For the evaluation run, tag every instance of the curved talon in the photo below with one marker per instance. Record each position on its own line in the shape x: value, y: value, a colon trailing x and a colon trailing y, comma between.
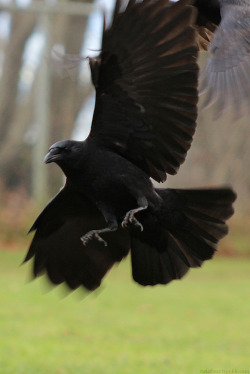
x: 130, y: 218
x: 92, y: 235
x: 137, y: 223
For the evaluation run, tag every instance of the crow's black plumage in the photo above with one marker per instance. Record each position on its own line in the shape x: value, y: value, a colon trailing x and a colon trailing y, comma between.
x: 208, y: 12
x: 145, y: 115
x: 224, y: 27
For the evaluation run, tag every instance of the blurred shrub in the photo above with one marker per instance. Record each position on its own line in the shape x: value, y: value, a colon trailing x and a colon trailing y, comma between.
x: 17, y: 212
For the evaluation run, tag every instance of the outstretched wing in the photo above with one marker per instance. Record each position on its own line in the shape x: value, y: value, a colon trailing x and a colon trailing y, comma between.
x: 58, y: 250
x: 226, y: 77
x: 146, y: 85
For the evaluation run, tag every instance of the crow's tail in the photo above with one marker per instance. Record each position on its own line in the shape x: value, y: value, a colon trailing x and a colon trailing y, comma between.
x: 182, y: 234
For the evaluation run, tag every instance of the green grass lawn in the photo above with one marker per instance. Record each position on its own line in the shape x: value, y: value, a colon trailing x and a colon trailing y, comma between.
x: 189, y: 326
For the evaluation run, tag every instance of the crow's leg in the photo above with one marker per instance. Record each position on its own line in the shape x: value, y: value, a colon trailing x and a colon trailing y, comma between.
x: 112, y: 226
x: 130, y: 215
x: 94, y: 234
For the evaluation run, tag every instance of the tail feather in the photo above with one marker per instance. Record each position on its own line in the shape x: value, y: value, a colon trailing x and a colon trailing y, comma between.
x: 181, y: 252
x: 182, y: 234
x: 213, y: 203
x: 211, y: 232
x: 151, y: 268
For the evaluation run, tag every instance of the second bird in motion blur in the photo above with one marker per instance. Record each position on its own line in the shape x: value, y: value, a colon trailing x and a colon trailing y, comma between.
x: 224, y: 27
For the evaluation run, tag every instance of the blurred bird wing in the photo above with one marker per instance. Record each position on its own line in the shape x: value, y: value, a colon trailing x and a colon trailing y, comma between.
x: 205, y: 35
x: 58, y: 250
x: 146, y: 85
x: 226, y: 77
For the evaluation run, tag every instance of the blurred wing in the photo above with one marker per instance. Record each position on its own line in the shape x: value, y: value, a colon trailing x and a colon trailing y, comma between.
x: 66, y: 65
x: 58, y: 250
x: 205, y: 35
x: 146, y: 85
x: 226, y: 77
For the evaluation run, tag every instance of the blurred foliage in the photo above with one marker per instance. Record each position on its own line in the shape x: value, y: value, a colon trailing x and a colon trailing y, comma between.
x: 18, y: 211
x: 237, y: 242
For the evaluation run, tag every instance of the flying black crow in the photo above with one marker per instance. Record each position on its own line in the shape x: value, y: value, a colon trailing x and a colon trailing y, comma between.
x: 226, y: 77
x: 145, y: 116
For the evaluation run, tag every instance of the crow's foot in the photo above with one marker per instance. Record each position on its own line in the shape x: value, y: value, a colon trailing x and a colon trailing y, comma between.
x: 94, y: 234
x: 130, y: 218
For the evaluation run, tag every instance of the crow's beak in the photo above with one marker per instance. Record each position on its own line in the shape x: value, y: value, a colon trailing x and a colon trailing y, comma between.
x: 53, y: 155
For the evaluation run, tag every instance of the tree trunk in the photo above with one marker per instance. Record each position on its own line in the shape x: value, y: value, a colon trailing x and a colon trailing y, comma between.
x: 16, y: 116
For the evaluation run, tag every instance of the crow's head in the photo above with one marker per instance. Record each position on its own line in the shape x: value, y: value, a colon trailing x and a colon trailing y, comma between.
x: 65, y: 153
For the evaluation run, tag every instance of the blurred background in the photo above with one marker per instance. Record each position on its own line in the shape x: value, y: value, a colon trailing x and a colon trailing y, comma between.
x: 45, y: 97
